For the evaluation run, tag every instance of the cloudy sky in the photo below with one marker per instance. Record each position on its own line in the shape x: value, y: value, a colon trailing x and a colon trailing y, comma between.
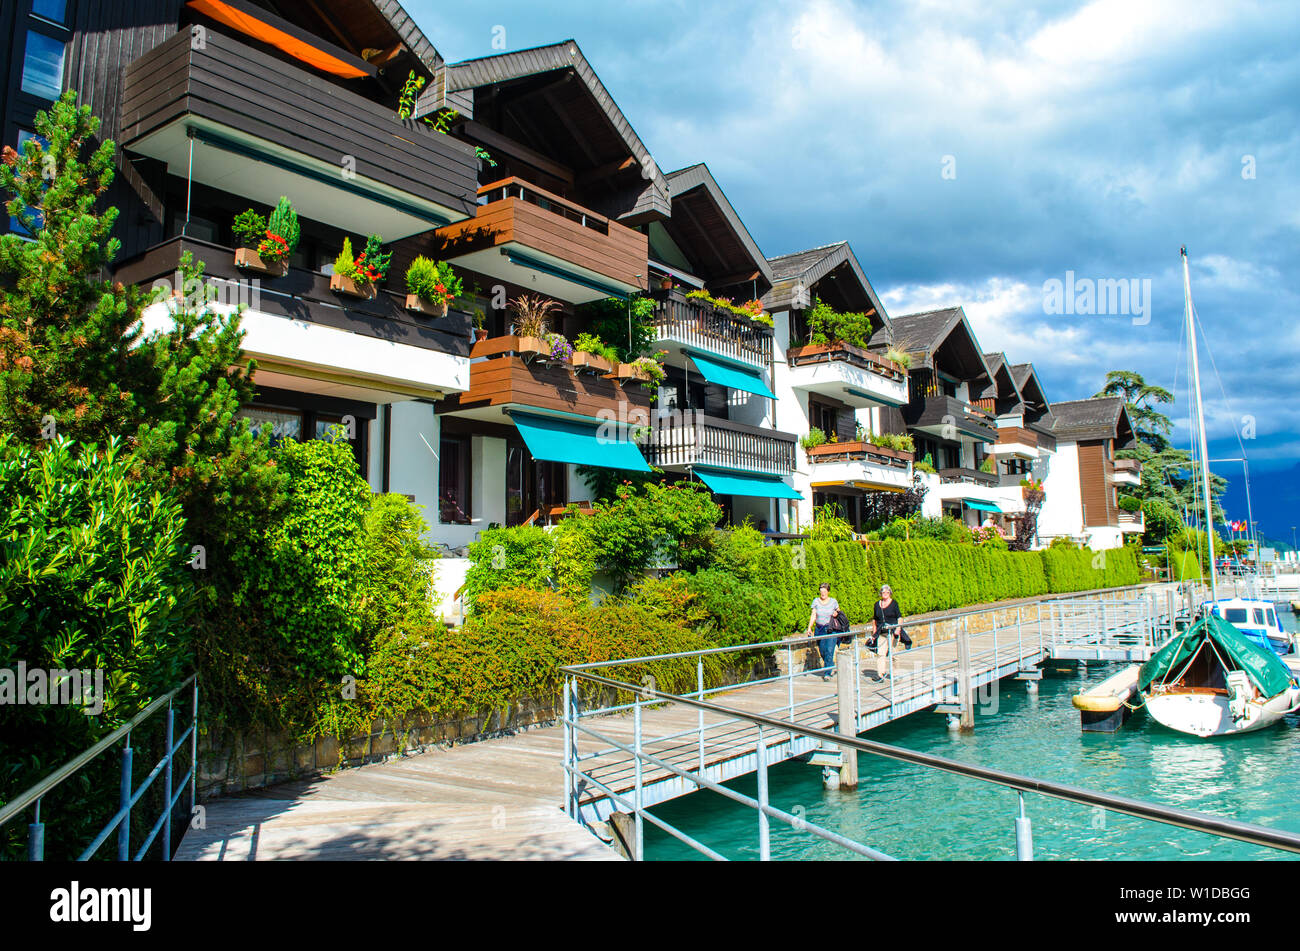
x: 971, y: 152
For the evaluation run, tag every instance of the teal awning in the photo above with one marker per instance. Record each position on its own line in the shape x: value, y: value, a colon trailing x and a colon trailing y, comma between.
x: 736, y: 483
x: 733, y: 377
x: 584, y: 444
x: 982, y: 506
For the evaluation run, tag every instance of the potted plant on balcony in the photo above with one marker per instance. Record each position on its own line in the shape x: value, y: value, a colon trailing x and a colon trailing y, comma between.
x: 558, y: 347
x: 431, y: 286
x: 813, y: 438
x: 532, y: 312
x: 360, y: 277
x: 265, y: 244
x: 649, y: 371
x: 591, y: 353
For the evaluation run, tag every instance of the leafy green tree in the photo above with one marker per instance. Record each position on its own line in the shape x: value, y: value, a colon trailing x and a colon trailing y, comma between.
x: 94, y: 576
x: 1149, y: 424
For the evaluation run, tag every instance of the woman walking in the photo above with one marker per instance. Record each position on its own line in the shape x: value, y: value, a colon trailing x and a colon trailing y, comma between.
x: 824, y: 608
x: 888, y: 618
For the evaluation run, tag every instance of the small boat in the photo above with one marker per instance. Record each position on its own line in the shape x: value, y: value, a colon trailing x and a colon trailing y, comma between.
x: 1257, y: 619
x: 1212, y: 680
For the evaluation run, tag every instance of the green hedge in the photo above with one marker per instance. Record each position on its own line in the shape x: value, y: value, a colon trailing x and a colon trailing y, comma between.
x: 927, y: 576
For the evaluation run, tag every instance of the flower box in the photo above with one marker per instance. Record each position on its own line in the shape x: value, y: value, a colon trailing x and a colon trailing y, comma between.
x: 345, y: 285
x: 630, y: 371
x: 422, y: 306
x: 250, y: 260
x: 592, y: 361
x: 510, y: 343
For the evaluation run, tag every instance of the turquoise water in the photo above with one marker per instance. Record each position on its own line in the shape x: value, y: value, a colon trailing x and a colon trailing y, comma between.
x: 915, y: 813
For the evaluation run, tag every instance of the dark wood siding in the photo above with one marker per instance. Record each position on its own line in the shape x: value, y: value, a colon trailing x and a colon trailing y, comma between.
x: 238, y: 86
x: 1095, y: 485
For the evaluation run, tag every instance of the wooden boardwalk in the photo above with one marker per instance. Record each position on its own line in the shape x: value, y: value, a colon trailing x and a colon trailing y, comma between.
x: 504, y: 798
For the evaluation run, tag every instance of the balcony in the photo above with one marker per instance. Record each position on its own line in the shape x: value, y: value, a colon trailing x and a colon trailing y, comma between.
x: 959, y: 484
x: 949, y: 418
x: 695, y: 324
x: 1015, y: 442
x: 529, y: 237
x: 1132, y: 522
x: 1126, y: 472
x: 960, y: 475
x: 847, y: 373
x: 510, y: 375
x: 693, y: 439
x: 306, y: 337
x: 860, y: 465
x: 246, y: 123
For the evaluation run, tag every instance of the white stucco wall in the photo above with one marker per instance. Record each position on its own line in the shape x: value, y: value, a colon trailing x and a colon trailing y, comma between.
x: 1062, y: 511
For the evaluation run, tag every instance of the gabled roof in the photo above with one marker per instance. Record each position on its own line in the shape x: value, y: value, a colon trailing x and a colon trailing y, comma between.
x: 796, y: 275
x: 1003, y: 383
x: 927, y: 333
x: 1102, y: 417
x: 707, y: 228
x: 1028, y: 384
x: 615, y: 150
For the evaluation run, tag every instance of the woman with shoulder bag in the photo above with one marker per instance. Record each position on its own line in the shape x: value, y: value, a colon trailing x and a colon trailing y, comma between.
x: 888, y: 618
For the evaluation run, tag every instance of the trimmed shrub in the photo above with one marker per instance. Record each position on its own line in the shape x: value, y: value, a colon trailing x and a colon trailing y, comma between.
x: 398, y: 567
x: 739, y: 612
x: 926, y: 575
x: 510, y: 651
x: 733, y: 550
x: 517, y: 557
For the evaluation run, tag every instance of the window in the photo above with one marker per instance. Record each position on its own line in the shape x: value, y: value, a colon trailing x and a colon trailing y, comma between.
x: 283, y: 424
x: 56, y: 11
x: 1272, y: 618
x: 1259, y: 616
x: 43, y: 66
x: 531, y: 484
x: 1235, y: 616
x: 14, y: 224
x: 454, y: 480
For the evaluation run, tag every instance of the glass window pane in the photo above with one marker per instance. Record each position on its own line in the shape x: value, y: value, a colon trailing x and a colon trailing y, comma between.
x: 283, y: 424
x: 14, y: 224
x: 43, y: 66
x: 1235, y: 616
x: 453, y: 482
x: 1259, y: 615
x: 56, y: 10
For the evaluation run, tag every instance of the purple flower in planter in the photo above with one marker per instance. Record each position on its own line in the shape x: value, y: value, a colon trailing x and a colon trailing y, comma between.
x: 561, y: 349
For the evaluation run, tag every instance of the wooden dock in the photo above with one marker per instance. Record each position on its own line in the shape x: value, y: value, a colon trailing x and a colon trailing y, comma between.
x: 505, y: 798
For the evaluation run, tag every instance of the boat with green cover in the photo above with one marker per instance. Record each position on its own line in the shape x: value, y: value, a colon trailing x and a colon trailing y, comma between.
x: 1211, y: 680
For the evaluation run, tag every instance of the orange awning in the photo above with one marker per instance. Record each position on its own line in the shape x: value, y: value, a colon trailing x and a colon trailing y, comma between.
x: 250, y: 25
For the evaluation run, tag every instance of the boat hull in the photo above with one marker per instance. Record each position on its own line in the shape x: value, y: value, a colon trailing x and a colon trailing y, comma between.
x: 1207, y: 714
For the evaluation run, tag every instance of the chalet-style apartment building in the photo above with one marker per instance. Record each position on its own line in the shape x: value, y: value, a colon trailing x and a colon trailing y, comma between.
x: 536, y: 184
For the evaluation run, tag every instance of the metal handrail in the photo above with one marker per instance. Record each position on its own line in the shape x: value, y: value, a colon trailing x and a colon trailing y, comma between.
x: 128, y: 796
x: 1201, y: 822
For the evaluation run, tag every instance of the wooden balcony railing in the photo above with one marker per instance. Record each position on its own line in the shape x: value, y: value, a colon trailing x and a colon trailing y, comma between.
x: 848, y: 353
x: 1129, y: 466
x: 1017, y: 434
x: 515, y: 212
x: 693, y: 439
x: 698, y: 324
x: 968, y: 476
x: 864, y: 451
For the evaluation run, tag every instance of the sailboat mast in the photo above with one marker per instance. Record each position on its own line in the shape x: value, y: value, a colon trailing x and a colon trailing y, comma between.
x: 1200, y: 423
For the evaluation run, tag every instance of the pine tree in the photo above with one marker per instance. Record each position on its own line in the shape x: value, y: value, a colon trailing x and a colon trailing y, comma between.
x: 75, y: 362
x: 68, y: 358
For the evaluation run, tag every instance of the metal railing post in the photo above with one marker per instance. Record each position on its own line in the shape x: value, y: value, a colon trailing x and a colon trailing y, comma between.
x: 167, y: 786
x: 194, y: 752
x: 764, y: 832
x: 889, y: 639
x: 1024, y: 834
x: 570, y: 779
x: 699, y: 678
x: 995, y: 643
x: 124, y: 802
x: 36, y: 837
x: 638, y: 800
x: 934, y: 663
